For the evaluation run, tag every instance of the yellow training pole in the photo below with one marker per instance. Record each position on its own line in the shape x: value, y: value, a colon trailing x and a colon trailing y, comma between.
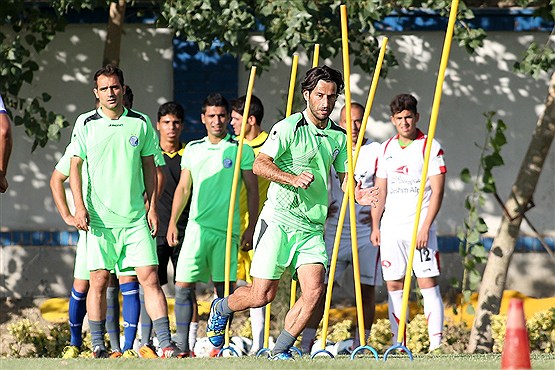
x: 316, y: 55
x: 237, y: 168
x: 343, y: 211
x: 431, y: 133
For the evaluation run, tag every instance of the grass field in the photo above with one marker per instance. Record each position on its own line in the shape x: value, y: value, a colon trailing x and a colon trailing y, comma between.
x: 539, y: 361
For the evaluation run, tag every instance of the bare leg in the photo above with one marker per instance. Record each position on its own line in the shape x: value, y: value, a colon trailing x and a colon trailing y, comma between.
x: 96, y: 298
x: 258, y: 294
x: 155, y: 300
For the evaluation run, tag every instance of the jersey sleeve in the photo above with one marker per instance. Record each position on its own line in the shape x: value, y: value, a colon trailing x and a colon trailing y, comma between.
x: 151, y: 146
x: 2, y: 106
x: 437, y: 163
x: 381, y: 171
x: 159, y: 160
x: 64, y: 164
x: 185, y: 161
x: 365, y: 168
x: 247, y: 157
x: 340, y: 161
x: 279, y: 139
x: 78, y: 142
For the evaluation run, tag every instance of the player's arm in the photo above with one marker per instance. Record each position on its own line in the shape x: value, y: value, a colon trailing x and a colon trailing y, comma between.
x: 59, y: 195
x: 366, y: 196
x: 180, y: 198
x: 264, y: 166
x: 160, y: 181
x: 437, y: 184
x: 251, y: 185
x: 150, y: 180
x: 76, y: 186
x: 377, y: 211
x: 6, y: 143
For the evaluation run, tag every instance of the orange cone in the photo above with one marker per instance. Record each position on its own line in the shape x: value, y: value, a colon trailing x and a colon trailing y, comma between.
x: 516, y: 351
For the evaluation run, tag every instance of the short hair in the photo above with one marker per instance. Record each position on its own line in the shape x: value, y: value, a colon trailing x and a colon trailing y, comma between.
x: 215, y: 100
x: 128, y: 97
x: 172, y: 108
x: 403, y: 102
x: 256, y: 108
x: 109, y: 70
x: 324, y: 73
x: 353, y: 104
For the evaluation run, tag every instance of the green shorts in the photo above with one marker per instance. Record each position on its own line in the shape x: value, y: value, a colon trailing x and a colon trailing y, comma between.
x: 203, y: 255
x: 277, y: 247
x: 80, y: 270
x: 120, y: 249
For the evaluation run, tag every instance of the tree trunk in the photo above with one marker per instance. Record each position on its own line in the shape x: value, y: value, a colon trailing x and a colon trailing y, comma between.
x: 495, y: 273
x: 113, y: 36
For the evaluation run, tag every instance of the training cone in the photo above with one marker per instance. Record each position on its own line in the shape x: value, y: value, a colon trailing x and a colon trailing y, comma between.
x: 516, y: 351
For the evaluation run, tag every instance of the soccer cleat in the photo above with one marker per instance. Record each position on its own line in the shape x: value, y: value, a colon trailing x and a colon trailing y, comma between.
x: 70, y: 352
x: 282, y: 356
x: 116, y: 354
x: 100, y: 352
x: 147, y: 351
x: 172, y: 351
x: 215, y: 327
x: 129, y: 353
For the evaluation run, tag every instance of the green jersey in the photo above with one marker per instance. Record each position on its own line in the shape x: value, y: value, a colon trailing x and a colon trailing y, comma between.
x: 112, y: 151
x: 297, y: 145
x: 212, y: 167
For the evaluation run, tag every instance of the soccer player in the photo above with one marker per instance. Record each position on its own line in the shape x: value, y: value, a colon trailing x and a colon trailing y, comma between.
x: 368, y: 254
x: 5, y: 145
x: 208, y: 168
x: 255, y: 137
x: 116, y: 146
x: 398, y: 176
x: 170, y: 125
x: 297, y: 158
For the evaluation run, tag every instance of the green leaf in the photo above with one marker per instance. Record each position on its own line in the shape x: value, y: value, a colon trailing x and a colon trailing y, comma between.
x: 465, y: 176
x: 481, y: 225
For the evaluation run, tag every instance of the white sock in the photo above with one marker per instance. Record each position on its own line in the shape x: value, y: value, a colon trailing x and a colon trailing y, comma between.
x: 193, y: 328
x: 257, y: 324
x: 308, y: 339
x: 433, y: 309
x: 394, y: 305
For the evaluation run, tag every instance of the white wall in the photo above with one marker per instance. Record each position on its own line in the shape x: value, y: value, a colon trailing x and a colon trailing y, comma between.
x: 473, y: 85
x: 67, y: 68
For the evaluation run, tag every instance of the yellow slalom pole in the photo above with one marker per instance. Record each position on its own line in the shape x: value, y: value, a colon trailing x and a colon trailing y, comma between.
x: 431, y: 133
x: 231, y: 212
x: 316, y: 55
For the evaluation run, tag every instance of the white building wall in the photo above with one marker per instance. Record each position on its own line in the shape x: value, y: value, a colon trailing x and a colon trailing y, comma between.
x: 473, y: 85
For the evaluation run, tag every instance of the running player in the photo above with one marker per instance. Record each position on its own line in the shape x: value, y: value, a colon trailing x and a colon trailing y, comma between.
x: 117, y: 146
x: 208, y: 168
x: 368, y: 254
x: 398, y: 176
x: 297, y: 158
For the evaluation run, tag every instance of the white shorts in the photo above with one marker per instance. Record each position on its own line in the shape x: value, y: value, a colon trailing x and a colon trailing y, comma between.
x: 368, y: 257
x: 394, y: 253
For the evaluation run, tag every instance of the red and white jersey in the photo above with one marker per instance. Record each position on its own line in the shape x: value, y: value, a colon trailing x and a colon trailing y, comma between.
x: 402, y: 167
x: 364, y: 171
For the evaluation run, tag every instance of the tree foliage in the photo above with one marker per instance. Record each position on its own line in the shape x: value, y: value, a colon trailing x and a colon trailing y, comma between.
x: 284, y: 26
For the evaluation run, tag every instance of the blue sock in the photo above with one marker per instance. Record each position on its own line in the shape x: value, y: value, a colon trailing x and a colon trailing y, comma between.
x: 131, y: 310
x: 77, y: 311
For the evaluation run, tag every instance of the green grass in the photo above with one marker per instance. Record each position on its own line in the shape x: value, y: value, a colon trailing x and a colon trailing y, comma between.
x: 489, y: 361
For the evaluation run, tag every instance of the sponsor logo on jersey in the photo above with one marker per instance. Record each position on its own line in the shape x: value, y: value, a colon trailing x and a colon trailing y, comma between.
x: 386, y: 263
x: 115, y: 125
x: 227, y: 163
x: 274, y: 135
x: 335, y: 153
x: 134, y: 140
x: 402, y: 170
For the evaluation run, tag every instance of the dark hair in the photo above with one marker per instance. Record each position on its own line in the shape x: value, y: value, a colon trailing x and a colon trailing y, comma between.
x: 325, y: 73
x: 109, y: 70
x: 256, y: 108
x: 128, y: 97
x: 172, y: 108
x: 403, y: 102
x: 215, y: 100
